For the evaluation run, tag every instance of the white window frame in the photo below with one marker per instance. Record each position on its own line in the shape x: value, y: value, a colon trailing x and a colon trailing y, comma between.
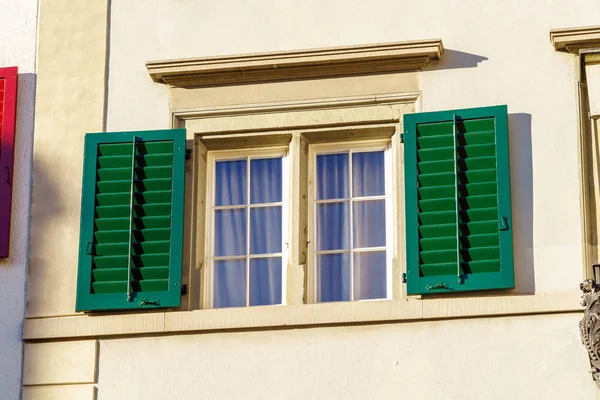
x: 248, y: 154
x: 389, y: 197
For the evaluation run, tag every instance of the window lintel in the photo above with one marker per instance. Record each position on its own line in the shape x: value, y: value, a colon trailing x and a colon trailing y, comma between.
x: 297, y: 64
x: 571, y: 40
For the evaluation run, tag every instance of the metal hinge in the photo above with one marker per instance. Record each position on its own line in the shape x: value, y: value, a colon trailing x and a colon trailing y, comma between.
x: 188, y: 154
x: 402, y: 138
x: 404, y: 277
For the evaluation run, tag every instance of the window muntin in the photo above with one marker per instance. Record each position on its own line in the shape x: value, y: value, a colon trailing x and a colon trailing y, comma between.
x: 248, y: 228
x: 351, y: 198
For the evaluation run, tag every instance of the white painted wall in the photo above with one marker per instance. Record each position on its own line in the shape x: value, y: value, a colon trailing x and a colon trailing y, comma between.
x: 537, y: 357
x: 497, y: 53
x: 17, y: 48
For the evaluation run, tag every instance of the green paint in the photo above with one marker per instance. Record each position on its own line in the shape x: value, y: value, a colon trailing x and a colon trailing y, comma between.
x: 458, y: 211
x: 132, y: 215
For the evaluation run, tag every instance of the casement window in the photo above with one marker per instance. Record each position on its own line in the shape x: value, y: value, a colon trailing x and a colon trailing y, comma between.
x: 458, y: 213
x: 130, y: 251
x: 338, y: 203
x: 8, y: 108
x: 248, y: 227
x: 349, y: 205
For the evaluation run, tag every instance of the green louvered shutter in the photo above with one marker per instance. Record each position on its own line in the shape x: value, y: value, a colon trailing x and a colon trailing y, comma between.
x: 458, y: 214
x: 130, y: 250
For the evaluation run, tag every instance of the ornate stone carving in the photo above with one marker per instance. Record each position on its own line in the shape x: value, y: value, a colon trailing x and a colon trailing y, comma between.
x: 590, y: 325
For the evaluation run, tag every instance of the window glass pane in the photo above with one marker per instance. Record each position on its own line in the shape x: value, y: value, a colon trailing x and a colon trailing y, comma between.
x: 369, y: 275
x: 332, y: 176
x: 230, y: 232
x: 265, y: 180
x: 369, y: 223
x: 265, y: 281
x: 368, y: 174
x: 230, y: 283
x: 230, y: 183
x: 333, y: 279
x: 333, y: 226
x: 265, y: 230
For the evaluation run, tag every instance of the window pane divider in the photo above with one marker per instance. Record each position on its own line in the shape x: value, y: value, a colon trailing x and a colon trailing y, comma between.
x: 248, y: 229
x: 332, y: 201
x: 351, y: 218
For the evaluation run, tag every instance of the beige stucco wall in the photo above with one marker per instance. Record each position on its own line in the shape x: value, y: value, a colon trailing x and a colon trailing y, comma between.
x: 538, y: 357
x: 17, y: 48
x: 496, y: 53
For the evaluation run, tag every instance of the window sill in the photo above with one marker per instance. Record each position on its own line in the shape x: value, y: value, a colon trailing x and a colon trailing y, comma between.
x: 404, y: 310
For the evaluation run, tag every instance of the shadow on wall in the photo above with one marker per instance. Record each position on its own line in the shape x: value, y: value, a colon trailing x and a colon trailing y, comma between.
x: 521, y: 169
x: 19, y: 230
x: 454, y: 59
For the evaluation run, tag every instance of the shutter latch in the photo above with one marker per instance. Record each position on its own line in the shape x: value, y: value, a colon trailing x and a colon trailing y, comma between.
x: 149, y: 303
x: 437, y: 286
x: 89, y: 247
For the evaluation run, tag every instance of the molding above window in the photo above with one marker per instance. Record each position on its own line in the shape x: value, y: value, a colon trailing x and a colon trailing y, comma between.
x: 571, y: 40
x: 297, y: 64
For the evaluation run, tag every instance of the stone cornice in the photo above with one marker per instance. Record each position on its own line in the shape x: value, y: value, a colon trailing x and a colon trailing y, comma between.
x: 571, y: 40
x: 299, y: 64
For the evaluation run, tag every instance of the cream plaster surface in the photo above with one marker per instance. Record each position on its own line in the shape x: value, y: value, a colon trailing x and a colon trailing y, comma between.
x: 500, y: 55
x: 60, y: 363
x: 70, y: 102
x: 539, y: 357
x: 60, y: 392
x: 18, y: 21
x: 509, y: 61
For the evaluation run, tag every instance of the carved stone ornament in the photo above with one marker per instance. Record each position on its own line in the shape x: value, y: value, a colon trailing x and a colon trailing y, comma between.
x: 590, y: 325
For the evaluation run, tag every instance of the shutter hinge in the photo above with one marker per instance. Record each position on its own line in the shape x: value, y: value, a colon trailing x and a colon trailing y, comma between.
x: 404, y: 277
x: 184, y: 290
x: 503, y: 224
x: 188, y: 154
x: 89, y: 247
x: 402, y: 138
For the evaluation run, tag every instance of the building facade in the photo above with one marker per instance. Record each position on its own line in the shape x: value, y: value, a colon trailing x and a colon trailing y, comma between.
x: 17, y: 99
x: 305, y: 200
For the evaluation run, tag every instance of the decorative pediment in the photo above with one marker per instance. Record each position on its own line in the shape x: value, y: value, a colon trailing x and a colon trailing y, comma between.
x: 298, y: 64
x: 571, y: 40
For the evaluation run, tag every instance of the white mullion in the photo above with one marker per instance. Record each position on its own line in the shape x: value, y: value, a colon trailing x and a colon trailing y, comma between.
x: 370, y: 249
x: 285, y: 234
x: 333, y: 201
x: 266, y: 255
x: 389, y: 171
x: 234, y: 207
x: 350, y: 216
x: 224, y: 258
x: 321, y: 252
x: 367, y: 198
x: 262, y: 205
x: 248, y: 231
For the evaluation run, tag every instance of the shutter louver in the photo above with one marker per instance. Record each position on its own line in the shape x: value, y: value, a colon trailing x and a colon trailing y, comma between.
x: 8, y: 114
x: 458, y: 201
x: 134, y: 210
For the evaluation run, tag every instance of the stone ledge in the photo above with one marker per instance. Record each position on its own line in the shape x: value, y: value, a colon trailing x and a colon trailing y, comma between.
x: 299, y: 64
x: 571, y: 40
x: 306, y: 315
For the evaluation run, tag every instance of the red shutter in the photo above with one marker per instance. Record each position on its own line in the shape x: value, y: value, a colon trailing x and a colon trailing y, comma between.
x: 8, y: 108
